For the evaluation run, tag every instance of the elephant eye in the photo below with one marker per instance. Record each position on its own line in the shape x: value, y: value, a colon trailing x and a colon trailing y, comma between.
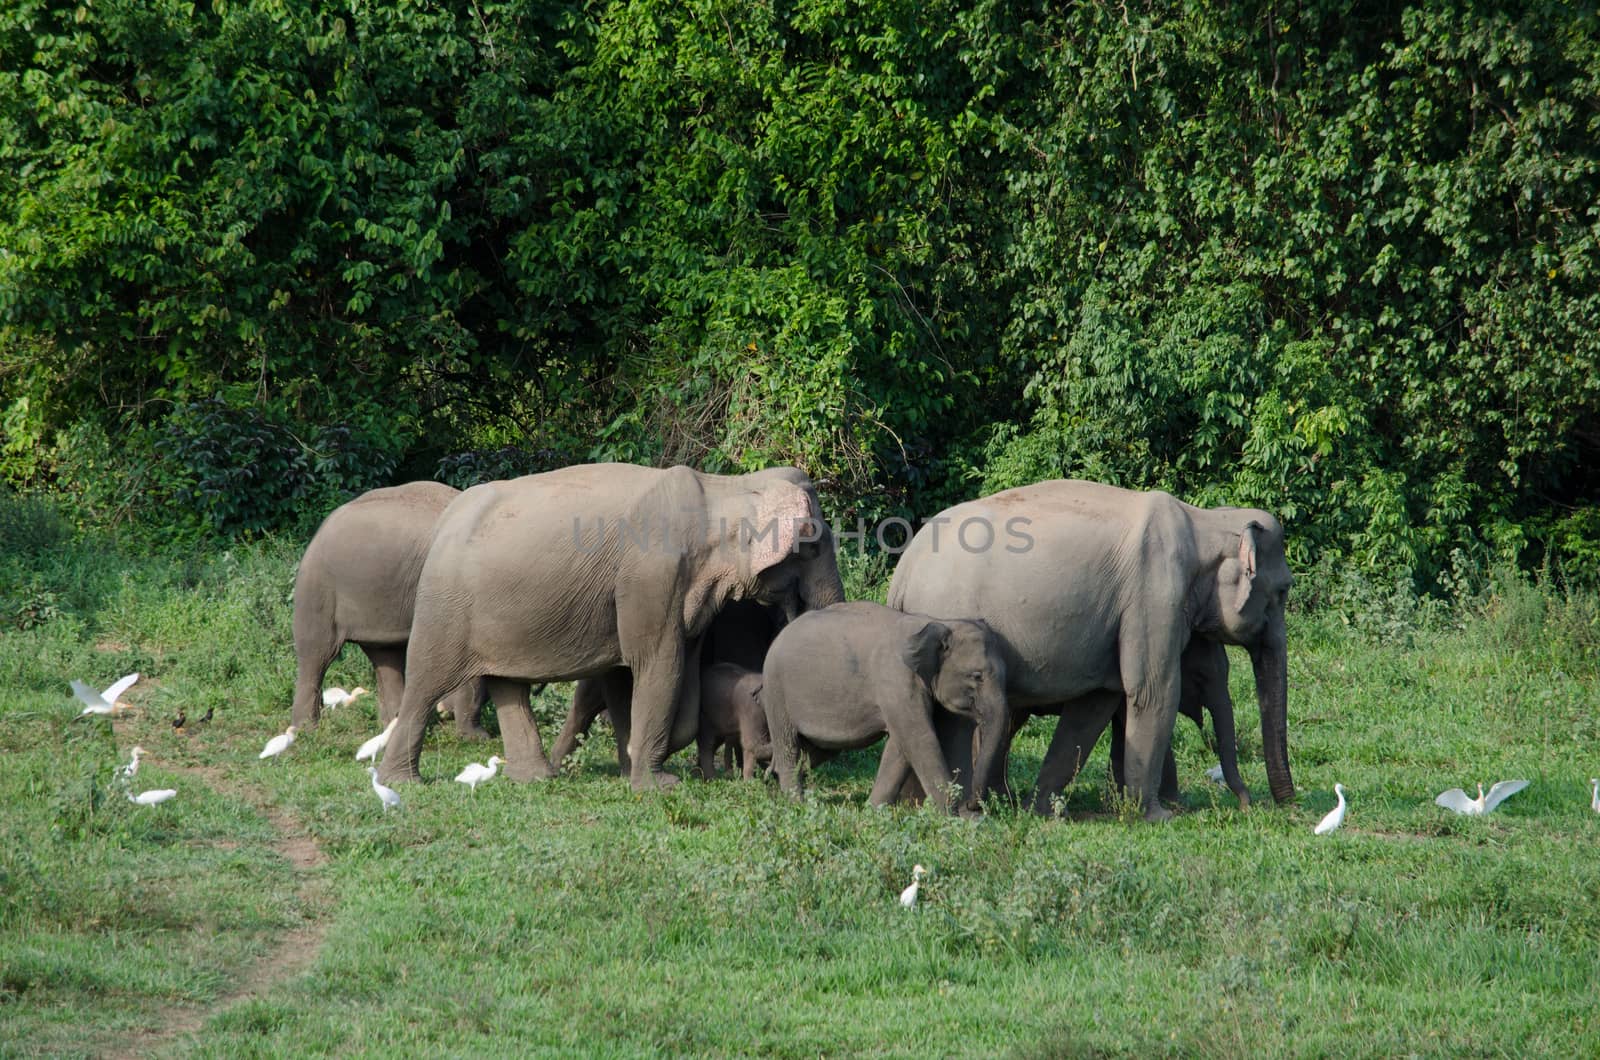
x: 977, y: 676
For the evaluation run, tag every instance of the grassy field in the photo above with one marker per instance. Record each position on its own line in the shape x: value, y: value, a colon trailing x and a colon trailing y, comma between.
x: 272, y: 909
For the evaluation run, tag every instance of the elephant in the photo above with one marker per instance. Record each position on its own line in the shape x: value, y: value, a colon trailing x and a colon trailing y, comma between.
x: 358, y: 582
x: 1096, y: 589
x: 576, y: 572
x: 842, y: 677
x: 1205, y: 687
x: 731, y: 711
x: 740, y: 634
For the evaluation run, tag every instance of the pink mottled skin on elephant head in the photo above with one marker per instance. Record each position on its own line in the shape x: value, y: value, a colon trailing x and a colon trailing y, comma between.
x: 782, y: 519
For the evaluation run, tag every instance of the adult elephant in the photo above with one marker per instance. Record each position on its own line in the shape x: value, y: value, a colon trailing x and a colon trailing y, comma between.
x: 739, y: 634
x: 357, y: 582
x: 1094, y: 589
x: 577, y: 572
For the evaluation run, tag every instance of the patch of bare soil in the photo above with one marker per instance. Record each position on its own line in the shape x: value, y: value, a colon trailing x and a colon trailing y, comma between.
x: 293, y: 952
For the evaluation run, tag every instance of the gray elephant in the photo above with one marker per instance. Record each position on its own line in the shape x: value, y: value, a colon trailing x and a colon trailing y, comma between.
x: 576, y: 572
x: 358, y: 582
x: 1094, y: 589
x: 740, y: 634
x: 1205, y: 688
x: 731, y: 713
x: 842, y: 677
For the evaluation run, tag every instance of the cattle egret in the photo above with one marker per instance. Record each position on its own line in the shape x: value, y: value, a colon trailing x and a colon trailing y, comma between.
x: 476, y: 774
x: 126, y: 773
x: 387, y: 795
x: 338, y: 697
x: 279, y: 743
x: 1215, y: 773
x: 1335, y: 816
x: 102, y: 702
x: 151, y: 798
x: 1456, y: 799
x: 1594, y: 803
x: 371, y: 748
x: 908, y: 897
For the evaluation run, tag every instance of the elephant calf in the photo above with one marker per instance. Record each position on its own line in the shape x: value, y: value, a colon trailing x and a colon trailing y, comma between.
x: 841, y: 677
x: 731, y: 712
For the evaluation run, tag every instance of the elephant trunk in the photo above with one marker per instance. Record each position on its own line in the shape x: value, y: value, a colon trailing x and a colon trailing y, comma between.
x: 820, y: 585
x: 994, y: 747
x: 1271, y: 663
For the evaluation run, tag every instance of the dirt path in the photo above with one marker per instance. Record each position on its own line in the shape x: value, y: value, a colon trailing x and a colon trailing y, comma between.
x: 293, y: 952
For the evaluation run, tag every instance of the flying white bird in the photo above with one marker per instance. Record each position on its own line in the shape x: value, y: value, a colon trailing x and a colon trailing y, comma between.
x: 387, y: 795
x: 338, y: 697
x: 102, y: 702
x: 1335, y: 816
x: 126, y: 773
x: 908, y: 897
x: 1215, y: 773
x: 371, y: 748
x: 476, y: 774
x: 1594, y: 803
x: 151, y: 798
x: 279, y: 743
x: 1456, y: 799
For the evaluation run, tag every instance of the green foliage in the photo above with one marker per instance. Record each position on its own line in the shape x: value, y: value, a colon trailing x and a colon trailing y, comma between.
x: 1339, y: 264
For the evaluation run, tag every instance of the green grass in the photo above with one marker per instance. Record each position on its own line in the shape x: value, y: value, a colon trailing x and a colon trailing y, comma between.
x: 574, y: 917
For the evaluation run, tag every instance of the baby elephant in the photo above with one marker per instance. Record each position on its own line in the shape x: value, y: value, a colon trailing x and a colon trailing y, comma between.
x: 730, y: 711
x: 841, y: 677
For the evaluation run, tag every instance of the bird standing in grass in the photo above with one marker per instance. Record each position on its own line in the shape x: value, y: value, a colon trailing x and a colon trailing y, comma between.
x: 1335, y: 816
x: 102, y: 702
x: 908, y: 897
x: 1456, y: 799
x: 476, y: 773
x: 371, y: 748
x: 180, y: 721
x: 387, y: 795
x: 153, y: 797
x: 279, y: 743
x: 126, y: 773
x: 1594, y: 803
x: 338, y: 697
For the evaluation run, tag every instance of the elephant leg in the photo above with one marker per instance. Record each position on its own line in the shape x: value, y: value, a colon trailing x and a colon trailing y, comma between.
x: 918, y: 743
x: 617, y: 689
x: 466, y: 703
x: 389, y: 674
x: 1082, y: 722
x: 1206, y: 668
x: 1150, y: 713
x: 706, y: 761
x: 588, y: 700
x: 657, y: 688
x: 785, y: 742
x: 314, y: 652
x: 525, y: 758
x: 404, y: 751
x: 1169, y: 764
x: 894, y: 776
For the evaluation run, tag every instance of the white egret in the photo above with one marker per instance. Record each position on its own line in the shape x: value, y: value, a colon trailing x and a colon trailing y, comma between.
x: 387, y: 795
x: 1457, y: 800
x: 1215, y: 773
x: 1594, y: 803
x: 475, y: 773
x: 153, y: 797
x: 908, y: 897
x: 1335, y: 816
x: 126, y: 773
x: 371, y: 748
x: 279, y: 743
x: 102, y: 702
x: 338, y: 697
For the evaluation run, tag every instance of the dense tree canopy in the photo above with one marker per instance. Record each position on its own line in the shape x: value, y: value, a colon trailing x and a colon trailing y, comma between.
x: 1340, y: 262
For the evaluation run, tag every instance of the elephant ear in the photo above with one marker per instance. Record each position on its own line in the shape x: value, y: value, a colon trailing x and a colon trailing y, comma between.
x: 1247, y: 563
x: 926, y: 649
x: 784, y: 516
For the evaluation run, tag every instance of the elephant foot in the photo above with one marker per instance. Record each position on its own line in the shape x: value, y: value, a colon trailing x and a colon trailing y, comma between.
x: 1244, y: 799
x: 525, y: 773
x: 1158, y: 812
x: 472, y: 733
x: 655, y: 780
x: 399, y: 776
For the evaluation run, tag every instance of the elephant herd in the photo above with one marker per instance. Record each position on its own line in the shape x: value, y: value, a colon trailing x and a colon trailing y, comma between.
x: 707, y: 609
